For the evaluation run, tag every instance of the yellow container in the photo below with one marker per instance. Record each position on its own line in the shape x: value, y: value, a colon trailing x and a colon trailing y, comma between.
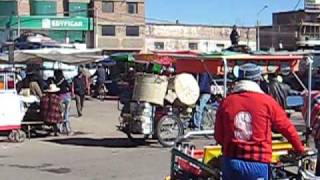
x: 278, y: 148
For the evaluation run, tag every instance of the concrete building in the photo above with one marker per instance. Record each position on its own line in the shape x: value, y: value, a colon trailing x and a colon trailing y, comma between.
x: 293, y: 30
x: 202, y: 38
x: 62, y: 20
x: 120, y: 25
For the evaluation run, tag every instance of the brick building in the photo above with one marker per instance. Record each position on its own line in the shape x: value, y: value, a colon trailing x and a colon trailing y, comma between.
x: 293, y: 30
x: 62, y: 20
x: 203, y: 38
x: 120, y: 25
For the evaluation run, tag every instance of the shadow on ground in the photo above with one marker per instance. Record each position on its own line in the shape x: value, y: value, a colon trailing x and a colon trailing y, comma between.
x: 104, y: 142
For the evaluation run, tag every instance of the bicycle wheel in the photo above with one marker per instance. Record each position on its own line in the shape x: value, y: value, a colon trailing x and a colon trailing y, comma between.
x: 209, y: 117
x: 169, y: 129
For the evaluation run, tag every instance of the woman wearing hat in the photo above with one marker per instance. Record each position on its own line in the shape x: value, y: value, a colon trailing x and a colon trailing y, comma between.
x: 51, y: 108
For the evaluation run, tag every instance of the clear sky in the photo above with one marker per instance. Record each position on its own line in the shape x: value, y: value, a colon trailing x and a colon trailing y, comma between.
x: 217, y: 12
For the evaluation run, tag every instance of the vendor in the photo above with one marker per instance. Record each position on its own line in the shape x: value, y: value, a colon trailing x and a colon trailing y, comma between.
x: 51, y: 108
x: 31, y: 82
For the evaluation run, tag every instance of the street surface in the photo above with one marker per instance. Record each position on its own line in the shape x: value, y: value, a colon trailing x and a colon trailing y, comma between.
x: 97, y: 151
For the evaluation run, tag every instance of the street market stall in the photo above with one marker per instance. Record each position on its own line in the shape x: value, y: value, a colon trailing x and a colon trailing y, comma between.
x: 171, y: 122
x: 187, y: 162
x: 11, y: 107
x: 36, y: 58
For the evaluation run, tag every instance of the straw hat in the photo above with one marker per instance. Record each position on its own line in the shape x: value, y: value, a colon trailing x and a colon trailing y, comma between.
x: 52, y: 88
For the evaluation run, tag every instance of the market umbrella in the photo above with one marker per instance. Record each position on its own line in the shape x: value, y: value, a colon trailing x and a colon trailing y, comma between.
x: 107, y: 62
x: 19, y: 57
x: 65, y: 55
x: 125, y: 57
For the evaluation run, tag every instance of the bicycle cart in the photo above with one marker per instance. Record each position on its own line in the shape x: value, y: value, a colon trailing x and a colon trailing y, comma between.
x: 187, y: 162
x: 170, y: 120
x: 11, y: 107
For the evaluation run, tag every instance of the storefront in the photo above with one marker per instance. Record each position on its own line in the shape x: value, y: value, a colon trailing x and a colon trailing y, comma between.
x: 61, y: 29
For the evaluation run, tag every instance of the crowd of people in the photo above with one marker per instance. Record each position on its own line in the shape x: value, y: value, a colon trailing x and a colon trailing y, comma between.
x: 54, y: 96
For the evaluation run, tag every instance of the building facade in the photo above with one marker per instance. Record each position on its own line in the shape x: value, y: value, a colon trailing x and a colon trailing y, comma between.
x: 202, y: 38
x: 63, y: 20
x: 293, y: 30
x: 120, y: 25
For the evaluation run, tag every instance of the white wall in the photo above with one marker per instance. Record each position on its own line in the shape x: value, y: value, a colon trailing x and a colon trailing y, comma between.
x: 183, y: 44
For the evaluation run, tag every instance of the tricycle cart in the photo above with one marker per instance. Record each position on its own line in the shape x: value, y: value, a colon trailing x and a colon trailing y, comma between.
x: 187, y: 162
x: 11, y: 107
x: 222, y: 66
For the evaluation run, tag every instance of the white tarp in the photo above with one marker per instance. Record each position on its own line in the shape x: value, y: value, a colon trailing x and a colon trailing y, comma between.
x: 11, y: 111
x: 63, y: 55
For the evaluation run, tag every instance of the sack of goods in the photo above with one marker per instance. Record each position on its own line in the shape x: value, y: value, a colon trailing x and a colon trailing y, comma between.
x: 150, y: 88
x: 183, y: 89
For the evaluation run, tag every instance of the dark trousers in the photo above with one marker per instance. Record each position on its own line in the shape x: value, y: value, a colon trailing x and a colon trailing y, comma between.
x: 79, y: 103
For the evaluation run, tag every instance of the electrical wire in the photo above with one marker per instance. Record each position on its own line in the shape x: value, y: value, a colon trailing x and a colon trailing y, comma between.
x: 297, y: 5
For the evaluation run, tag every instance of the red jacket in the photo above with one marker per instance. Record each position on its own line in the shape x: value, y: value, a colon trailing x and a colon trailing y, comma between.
x: 243, y: 126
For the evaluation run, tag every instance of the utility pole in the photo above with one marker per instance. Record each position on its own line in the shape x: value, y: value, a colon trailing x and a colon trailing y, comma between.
x: 258, y: 26
x: 18, y: 17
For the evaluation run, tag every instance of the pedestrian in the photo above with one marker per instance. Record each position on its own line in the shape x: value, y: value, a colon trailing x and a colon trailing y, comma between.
x: 79, y: 90
x: 314, y: 122
x: 234, y: 36
x: 87, y: 74
x: 51, y: 108
x: 279, y: 90
x: 204, y: 84
x: 243, y: 127
x: 101, y: 79
x: 65, y: 94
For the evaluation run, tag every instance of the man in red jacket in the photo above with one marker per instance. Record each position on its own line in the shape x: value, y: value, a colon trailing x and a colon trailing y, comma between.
x: 243, y: 127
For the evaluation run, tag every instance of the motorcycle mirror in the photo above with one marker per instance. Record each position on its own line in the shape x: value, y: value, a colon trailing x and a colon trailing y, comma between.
x: 235, y: 71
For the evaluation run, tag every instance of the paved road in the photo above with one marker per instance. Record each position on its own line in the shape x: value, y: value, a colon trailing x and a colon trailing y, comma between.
x: 97, y: 152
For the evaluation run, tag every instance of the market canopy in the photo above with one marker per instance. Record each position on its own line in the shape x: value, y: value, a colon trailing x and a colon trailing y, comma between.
x: 62, y: 55
x: 214, y: 62
x: 165, y: 57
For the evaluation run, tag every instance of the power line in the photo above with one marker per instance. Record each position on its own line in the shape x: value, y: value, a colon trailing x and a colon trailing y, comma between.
x: 297, y: 5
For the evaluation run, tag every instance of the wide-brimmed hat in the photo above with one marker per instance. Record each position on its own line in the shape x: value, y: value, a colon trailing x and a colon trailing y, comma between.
x: 250, y: 71
x: 52, y: 88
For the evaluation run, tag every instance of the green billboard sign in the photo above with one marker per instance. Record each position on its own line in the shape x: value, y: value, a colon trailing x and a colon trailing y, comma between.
x: 47, y: 23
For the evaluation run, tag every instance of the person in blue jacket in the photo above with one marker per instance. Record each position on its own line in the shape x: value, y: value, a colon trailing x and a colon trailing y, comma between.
x: 204, y: 84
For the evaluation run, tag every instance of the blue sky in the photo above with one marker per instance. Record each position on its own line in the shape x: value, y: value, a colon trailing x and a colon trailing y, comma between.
x: 217, y: 12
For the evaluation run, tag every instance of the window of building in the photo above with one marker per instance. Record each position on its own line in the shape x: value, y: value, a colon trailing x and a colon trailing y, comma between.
x: 132, y: 7
x: 108, y: 6
x: 108, y: 30
x: 159, y: 45
x: 78, y: 9
x: 41, y: 8
x: 193, y: 46
x: 132, y: 31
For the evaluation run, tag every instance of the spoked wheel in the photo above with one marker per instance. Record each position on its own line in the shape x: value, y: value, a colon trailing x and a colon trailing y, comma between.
x: 17, y: 136
x: 20, y: 136
x: 169, y: 129
x: 209, y: 120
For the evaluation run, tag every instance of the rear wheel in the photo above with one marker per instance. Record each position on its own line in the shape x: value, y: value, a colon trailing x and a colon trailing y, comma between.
x: 209, y: 120
x: 169, y: 129
x: 20, y: 136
